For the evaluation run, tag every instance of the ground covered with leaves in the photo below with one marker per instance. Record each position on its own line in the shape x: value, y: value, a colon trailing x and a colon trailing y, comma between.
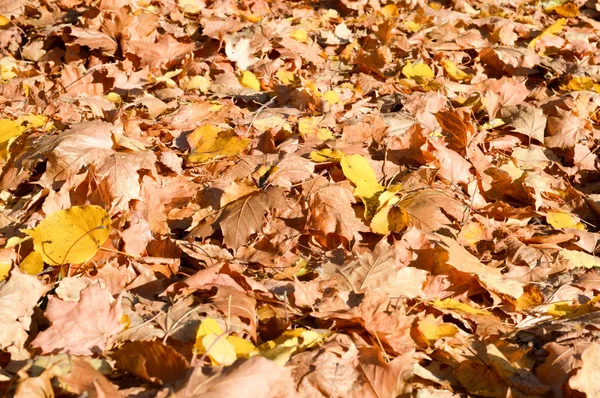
x: 346, y: 198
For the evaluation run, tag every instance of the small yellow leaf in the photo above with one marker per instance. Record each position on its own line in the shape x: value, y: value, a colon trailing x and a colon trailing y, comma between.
x: 249, y: 79
x: 114, y: 98
x: 569, y: 10
x: 4, y: 21
x: 556, y: 27
x: 9, y: 130
x: 33, y: 264
x: 219, y: 349
x: 452, y: 304
x: 309, y: 126
x: 433, y: 330
x: 579, y: 83
x: 290, y: 342
x: 4, y: 271
x: 332, y: 97
x: 389, y: 11
x: 471, y: 234
x: 72, y: 236
x: 286, y: 77
x: 8, y: 65
x: 419, y: 70
x: 413, y: 26
x: 389, y: 219
x: 357, y: 169
x: 578, y: 259
x: 560, y: 220
x: 452, y: 70
x: 326, y: 155
x: 300, y: 35
x: 197, y: 83
x: 213, y: 142
x: 242, y: 347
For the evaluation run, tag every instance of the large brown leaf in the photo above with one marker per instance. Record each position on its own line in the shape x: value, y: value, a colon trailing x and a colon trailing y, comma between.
x: 90, y: 144
x: 81, y: 327
x: 245, y: 217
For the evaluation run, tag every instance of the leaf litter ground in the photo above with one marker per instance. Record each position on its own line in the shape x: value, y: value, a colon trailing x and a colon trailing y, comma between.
x: 354, y: 198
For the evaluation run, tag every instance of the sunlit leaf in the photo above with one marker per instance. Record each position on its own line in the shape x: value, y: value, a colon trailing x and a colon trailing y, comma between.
x: 72, y: 236
x: 249, y: 79
x: 419, y: 70
x: 33, y: 264
x: 215, y: 142
x: 560, y: 220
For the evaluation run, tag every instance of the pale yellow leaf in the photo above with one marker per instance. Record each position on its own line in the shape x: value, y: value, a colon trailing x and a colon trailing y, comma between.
x: 419, y: 70
x: 215, y: 142
x: 249, y: 79
x: 560, y: 219
x: 33, y: 264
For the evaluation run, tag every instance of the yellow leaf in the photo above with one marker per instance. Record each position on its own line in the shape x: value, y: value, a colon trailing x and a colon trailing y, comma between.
x: 419, y: 70
x: 579, y: 83
x: 433, y: 330
x: 249, y: 79
x: 114, y: 98
x: 560, y: 220
x: 453, y: 70
x: 471, y: 234
x: 242, y: 347
x: 357, y: 169
x: 300, y: 34
x: 326, y: 155
x: 33, y: 264
x: 309, y: 126
x: 197, y: 83
x: 569, y: 10
x: 213, y: 141
x: 556, y: 27
x: 452, y: 304
x: 290, y: 342
x: 389, y: 11
x: 219, y: 349
x: 332, y: 97
x: 286, y: 77
x: 8, y: 65
x: 413, y: 26
x: 72, y: 236
x: 9, y: 130
x: 4, y: 21
x: 390, y: 219
x: 577, y: 259
x: 4, y: 271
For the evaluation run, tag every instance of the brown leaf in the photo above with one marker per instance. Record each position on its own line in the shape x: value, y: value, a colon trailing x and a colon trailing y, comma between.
x: 82, y: 327
x: 586, y: 380
x: 18, y: 297
x: 152, y: 361
x: 429, y: 209
x: 378, y: 271
x: 527, y: 120
x: 257, y: 374
x: 244, y: 217
x: 386, y: 379
x: 332, y: 212
x: 90, y: 144
x: 165, y: 51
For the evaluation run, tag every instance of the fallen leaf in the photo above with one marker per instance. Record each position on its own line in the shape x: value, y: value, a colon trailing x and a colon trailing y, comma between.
x: 212, y: 142
x: 71, y: 236
x: 82, y: 327
x: 151, y: 360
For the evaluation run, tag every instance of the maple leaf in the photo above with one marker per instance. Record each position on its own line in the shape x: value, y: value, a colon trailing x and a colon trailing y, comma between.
x: 18, y: 297
x: 244, y: 217
x: 377, y: 271
x: 90, y: 144
x: 332, y: 213
x: 81, y: 327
